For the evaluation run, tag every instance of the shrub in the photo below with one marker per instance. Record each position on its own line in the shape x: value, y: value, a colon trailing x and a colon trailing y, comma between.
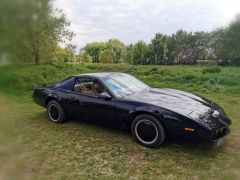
x: 153, y: 70
x: 211, y: 70
x: 236, y: 61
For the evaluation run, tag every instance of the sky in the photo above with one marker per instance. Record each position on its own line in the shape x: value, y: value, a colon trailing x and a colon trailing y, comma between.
x: 133, y: 20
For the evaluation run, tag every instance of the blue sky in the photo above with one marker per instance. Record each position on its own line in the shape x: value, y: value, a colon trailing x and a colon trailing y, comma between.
x: 133, y: 20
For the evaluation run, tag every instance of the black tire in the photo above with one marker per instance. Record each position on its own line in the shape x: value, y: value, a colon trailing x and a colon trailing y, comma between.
x: 55, y: 112
x: 148, y: 131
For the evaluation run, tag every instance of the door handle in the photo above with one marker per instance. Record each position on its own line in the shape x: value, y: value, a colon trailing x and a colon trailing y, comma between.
x: 73, y: 99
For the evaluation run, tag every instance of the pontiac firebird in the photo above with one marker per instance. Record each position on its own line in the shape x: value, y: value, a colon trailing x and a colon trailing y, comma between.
x: 122, y: 101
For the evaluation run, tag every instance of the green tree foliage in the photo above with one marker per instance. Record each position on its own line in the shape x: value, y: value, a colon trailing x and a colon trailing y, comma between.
x: 171, y: 49
x: 231, y: 43
x: 183, y: 47
x: 160, y: 46
x: 71, y: 50
x: 220, y: 46
x: 93, y: 49
x: 199, y: 45
x: 116, y: 47
x: 39, y: 29
x: 139, y: 52
x: 85, y: 58
x: 112, y: 50
x: 128, y: 54
x: 60, y: 55
x: 13, y: 15
x: 150, y: 55
x: 215, y: 44
x: 107, y: 56
x: 32, y: 30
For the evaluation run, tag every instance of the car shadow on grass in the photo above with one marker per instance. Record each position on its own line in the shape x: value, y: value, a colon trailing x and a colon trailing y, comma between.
x: 123, y: 135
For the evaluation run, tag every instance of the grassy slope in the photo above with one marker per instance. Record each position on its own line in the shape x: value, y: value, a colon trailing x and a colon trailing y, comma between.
x: 42, y: 149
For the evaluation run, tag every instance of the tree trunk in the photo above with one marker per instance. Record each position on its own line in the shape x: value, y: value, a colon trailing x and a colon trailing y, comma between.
x: 37, y: 57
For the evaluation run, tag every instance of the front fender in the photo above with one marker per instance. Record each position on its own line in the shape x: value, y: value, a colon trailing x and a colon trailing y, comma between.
x: 158, y: 114
x: 173, y: 123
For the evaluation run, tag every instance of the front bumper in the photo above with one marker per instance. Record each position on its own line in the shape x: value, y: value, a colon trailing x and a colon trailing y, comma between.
x: 38, y: 101
x: 220, y: 132
x: 219, y: 127
x: 203, y: 134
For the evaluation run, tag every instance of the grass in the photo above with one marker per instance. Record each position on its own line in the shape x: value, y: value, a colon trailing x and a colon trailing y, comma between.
x: 32, y: 147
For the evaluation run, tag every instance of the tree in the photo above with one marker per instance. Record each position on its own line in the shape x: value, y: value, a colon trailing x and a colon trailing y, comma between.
x: 112, y: 50
x: 199, y: 45
x: 172, y: 57
x: 139, y: 52
x: 183, y: 47
x: 117, y: 47
x: 39, y: 29
x: 232, y: 42
x: 45, y: 29
x: 93, y: 49
x: 216, y: 44
x: 72, y: 51
x: 128, y: 54
x: 150, y: 55
x: 60, y: 55
x: 160, y: 46
x: 13, y: 15
x: 107, y: 56
x: 85, y: 58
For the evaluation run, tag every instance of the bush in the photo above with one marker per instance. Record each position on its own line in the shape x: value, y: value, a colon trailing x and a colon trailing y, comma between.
x: 236, y: 61
x: 21, y: 79
x: 211, y: 70
x: 153, y: 70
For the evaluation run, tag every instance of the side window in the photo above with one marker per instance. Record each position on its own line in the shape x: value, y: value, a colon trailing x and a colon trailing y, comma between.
x: 77, y: 86
x: 90, y: 86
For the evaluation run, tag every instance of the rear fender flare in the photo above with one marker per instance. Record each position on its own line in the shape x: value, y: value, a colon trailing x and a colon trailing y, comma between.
x: 51, y: 97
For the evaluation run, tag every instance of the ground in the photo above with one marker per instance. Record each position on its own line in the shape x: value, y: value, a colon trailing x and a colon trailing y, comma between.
x: 33, y: 147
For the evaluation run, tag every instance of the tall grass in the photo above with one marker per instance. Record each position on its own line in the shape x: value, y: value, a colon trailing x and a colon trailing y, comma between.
x: 21, y: 79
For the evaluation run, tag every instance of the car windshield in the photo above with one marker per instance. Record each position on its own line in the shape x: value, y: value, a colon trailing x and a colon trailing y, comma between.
x: 123, y: 84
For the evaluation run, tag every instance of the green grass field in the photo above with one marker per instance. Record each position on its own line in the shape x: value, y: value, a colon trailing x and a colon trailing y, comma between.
x: 33, y: 147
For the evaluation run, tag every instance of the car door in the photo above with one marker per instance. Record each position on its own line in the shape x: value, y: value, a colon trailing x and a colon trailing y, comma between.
x: 71, y: 101
x: 98, y: 110
x: 72, y: 104
x: 94, y: 108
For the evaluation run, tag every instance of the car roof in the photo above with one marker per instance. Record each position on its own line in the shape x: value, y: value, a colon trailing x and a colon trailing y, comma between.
x: 100, y: 74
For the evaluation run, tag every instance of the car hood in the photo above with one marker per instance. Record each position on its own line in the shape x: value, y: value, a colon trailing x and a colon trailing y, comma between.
x: 178, y: 101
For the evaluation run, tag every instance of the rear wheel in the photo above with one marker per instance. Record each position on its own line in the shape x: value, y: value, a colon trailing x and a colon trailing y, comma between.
x: 148, y: 131
x: 55, y: 112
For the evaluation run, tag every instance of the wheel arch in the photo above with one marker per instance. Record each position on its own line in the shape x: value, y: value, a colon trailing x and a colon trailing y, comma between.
x: 159, y: 117
x: 50, y: 98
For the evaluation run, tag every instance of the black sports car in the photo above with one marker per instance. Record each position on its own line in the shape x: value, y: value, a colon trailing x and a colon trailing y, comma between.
x: 120, y: 100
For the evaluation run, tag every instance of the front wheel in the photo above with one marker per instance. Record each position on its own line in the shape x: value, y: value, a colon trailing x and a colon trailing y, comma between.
x: 148, y: 131
x: 55, y: 112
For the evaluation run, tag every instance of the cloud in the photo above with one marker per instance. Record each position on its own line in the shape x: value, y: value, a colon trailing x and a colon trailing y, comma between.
x: 133, y: 20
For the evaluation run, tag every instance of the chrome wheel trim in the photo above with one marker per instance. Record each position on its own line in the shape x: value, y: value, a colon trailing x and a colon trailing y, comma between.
x: 136, y: 131
x: 49, y: 112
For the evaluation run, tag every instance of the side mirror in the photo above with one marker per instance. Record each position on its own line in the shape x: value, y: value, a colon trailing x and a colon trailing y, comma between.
x: 105, y: 96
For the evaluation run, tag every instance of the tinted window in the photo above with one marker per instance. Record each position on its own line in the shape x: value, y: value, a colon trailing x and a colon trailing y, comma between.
x: 88, y: 86
x: 66, y: 84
